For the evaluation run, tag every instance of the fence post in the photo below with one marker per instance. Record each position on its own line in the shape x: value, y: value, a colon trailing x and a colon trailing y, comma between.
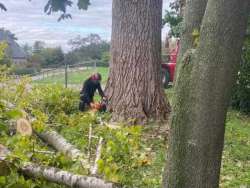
x: 66, y: 75
x: 94, y: 65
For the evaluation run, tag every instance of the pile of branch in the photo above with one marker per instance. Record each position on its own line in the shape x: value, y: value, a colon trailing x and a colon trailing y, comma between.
x: 59, y: 143
x: 56, y: 175
x: 63, y: 177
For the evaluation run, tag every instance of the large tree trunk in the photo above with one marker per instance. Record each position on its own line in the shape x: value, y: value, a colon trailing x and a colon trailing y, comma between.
x: 202, y: 93
x: 134, y: 87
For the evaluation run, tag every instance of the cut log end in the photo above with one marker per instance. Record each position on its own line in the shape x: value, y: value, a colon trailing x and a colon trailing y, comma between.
x: 23, y: 127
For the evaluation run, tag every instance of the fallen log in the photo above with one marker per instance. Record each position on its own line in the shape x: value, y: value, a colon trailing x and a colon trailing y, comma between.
x: 62, y: 145
x: 55, y: 175
x: 54, y: 139
x: 94, y: 169
x: 89, y: 142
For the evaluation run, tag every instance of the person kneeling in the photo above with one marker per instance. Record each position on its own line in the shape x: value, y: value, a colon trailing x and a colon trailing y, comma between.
x: 89, y: 88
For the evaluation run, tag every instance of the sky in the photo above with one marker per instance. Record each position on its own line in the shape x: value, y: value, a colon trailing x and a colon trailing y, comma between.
x: 29, y: 23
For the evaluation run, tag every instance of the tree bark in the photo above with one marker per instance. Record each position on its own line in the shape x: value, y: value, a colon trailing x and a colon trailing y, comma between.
x: 63, y: 177
x: 202, y: 93
x: 193, y: 15
x: 60, y: 144
x: 182, y: 7
x: 134, y: 87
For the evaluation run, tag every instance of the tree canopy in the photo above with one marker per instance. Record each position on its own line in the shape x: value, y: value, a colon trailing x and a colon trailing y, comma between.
x: 174, y: 18
x: 2, y: 7
x: 90, y: 47
x: 59, y: 6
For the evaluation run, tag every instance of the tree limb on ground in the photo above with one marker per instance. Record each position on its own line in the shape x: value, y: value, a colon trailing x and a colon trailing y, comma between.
x: 55, y: 175
x: 51, y: 137
x: 94, y: 169
x: 63, y: 177
x: 61, y: 144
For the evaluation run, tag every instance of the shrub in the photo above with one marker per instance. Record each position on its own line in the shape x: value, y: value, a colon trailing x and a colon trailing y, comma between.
x: 23, y: 70
x: 241, y: 92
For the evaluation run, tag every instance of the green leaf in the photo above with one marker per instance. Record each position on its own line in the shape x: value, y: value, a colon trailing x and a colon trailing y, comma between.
x: 3, y: 126
x: 83, y: 4
x: 14, y: 114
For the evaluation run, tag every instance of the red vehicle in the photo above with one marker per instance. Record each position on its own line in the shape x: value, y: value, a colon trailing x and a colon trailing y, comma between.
x: 168, y: 69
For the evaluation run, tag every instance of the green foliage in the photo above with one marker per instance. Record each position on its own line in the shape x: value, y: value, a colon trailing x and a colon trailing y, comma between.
x: 83, y: 4
x: 59, y: 6
x: 46, y: 57
x: 125, y: 153
x: 23, y: 70
x: 4, y: 58
x: 175, y: 22
x: 91, y: 47
x: 106, y: 57
x: 53, y: 100
x: 241, y: 93
x: 133, y: 156
x: 62, y: 5
x: 52, y: 56
x: 3, y: 46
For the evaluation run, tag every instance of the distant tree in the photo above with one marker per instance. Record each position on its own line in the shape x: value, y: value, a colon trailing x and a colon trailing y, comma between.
x: 36, y: 60
x: 52, y: 57
x: 90, y: 47
x: 71, y: 58
x: 174, y: 18
x: 38, y: 46
x: 27, y: 49
x: 178, y: 6
x: 241, y: 91
x: 43, y: 56
x: 85, y: 41
x: 105, y: 57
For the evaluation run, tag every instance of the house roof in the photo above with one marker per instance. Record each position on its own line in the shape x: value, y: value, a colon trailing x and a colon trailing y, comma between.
x: 15, y: 51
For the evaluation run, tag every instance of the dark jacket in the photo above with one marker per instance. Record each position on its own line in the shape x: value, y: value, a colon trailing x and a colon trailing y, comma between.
x: 88, y: 91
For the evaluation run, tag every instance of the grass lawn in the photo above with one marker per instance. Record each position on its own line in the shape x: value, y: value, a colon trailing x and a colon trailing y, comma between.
x: 235, y: 171
x: 75, y: 77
